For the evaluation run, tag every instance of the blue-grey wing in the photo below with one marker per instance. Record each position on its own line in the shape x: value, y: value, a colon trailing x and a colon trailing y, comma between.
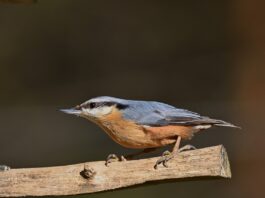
x: 160, y: 114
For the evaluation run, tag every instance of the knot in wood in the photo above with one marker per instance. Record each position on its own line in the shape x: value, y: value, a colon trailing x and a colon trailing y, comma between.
x: 87, y: 172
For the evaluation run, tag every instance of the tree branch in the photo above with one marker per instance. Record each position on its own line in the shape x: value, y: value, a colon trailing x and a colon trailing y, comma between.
x: 93, y: 177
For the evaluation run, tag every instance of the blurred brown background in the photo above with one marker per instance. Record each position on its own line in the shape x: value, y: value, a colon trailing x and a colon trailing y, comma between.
x: 206, y: 56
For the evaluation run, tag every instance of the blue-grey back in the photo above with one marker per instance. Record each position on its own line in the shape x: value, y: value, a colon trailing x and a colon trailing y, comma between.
x: 156, y: 113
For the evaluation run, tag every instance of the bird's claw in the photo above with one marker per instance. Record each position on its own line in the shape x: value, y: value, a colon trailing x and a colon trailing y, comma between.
x: 114, y: 158
x: 4, y: 168
x: 166, y: 156
x: 186, y: 148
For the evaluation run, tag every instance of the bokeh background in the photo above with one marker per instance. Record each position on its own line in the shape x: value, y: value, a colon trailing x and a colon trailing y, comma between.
x: 206, y: 56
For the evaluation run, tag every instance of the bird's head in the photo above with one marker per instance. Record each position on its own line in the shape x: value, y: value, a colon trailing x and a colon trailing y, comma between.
x: 97, y: 108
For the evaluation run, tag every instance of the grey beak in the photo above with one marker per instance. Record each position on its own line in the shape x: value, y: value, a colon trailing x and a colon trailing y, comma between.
x: 71, y: 111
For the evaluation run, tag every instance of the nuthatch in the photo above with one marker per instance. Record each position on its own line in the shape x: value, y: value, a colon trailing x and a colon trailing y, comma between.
x: 144, y: 124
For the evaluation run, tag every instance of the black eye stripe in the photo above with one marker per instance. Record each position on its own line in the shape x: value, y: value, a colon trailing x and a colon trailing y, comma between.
x: 118, y: 105
x: 109, y: 104
x: 93, y: 105
x: 122, y: 106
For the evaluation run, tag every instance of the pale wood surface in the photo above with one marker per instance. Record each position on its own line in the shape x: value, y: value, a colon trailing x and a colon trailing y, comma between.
x: 66, y: 180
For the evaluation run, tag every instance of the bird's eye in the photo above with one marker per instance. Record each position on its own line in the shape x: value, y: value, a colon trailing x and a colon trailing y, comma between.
x: 92, y: 105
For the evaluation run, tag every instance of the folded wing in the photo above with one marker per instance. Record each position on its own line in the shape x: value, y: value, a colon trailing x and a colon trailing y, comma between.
x: 160, y: 114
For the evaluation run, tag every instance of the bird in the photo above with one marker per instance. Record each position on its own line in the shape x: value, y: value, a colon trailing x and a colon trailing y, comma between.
x: 146, y: 125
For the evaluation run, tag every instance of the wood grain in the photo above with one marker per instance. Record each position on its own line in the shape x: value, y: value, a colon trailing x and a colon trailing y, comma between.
x: 72, y: 179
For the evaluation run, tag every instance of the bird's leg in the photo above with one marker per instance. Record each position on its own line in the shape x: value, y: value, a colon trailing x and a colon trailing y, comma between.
x: 4, y: 168
x: 114, y: 158
x: 166, y: 156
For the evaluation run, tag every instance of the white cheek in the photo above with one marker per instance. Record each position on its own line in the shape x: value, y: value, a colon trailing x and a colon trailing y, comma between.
x: 100, y: 111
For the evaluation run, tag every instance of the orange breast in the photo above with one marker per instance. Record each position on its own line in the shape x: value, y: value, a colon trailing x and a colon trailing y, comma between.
x: 125, y: 132
x: 131, y: 135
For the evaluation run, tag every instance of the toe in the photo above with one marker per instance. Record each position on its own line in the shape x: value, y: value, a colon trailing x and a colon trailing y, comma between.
x: 111, y: 158
x: 166, y: 153
x: 186, y: 148
x: 123, y: 158
x: 166, y: 156
x: 114, y: 158
x: 4, y: 168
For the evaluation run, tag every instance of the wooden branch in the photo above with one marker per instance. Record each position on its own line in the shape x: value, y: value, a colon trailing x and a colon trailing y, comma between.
x: 92, y: 177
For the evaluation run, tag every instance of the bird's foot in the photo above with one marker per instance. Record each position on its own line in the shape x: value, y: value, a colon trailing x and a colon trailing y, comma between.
x: 186, y: 148
x: 114, y: 158
x: 166, y: 156
x: 4, y: 168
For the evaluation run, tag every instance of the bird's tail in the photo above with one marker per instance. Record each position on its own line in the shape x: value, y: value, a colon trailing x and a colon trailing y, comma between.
x: 222, y: 123
x: 206, y: 122
x: 214, y: 122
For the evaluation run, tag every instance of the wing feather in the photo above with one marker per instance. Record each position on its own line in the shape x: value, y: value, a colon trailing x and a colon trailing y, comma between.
x: 160, y: 114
